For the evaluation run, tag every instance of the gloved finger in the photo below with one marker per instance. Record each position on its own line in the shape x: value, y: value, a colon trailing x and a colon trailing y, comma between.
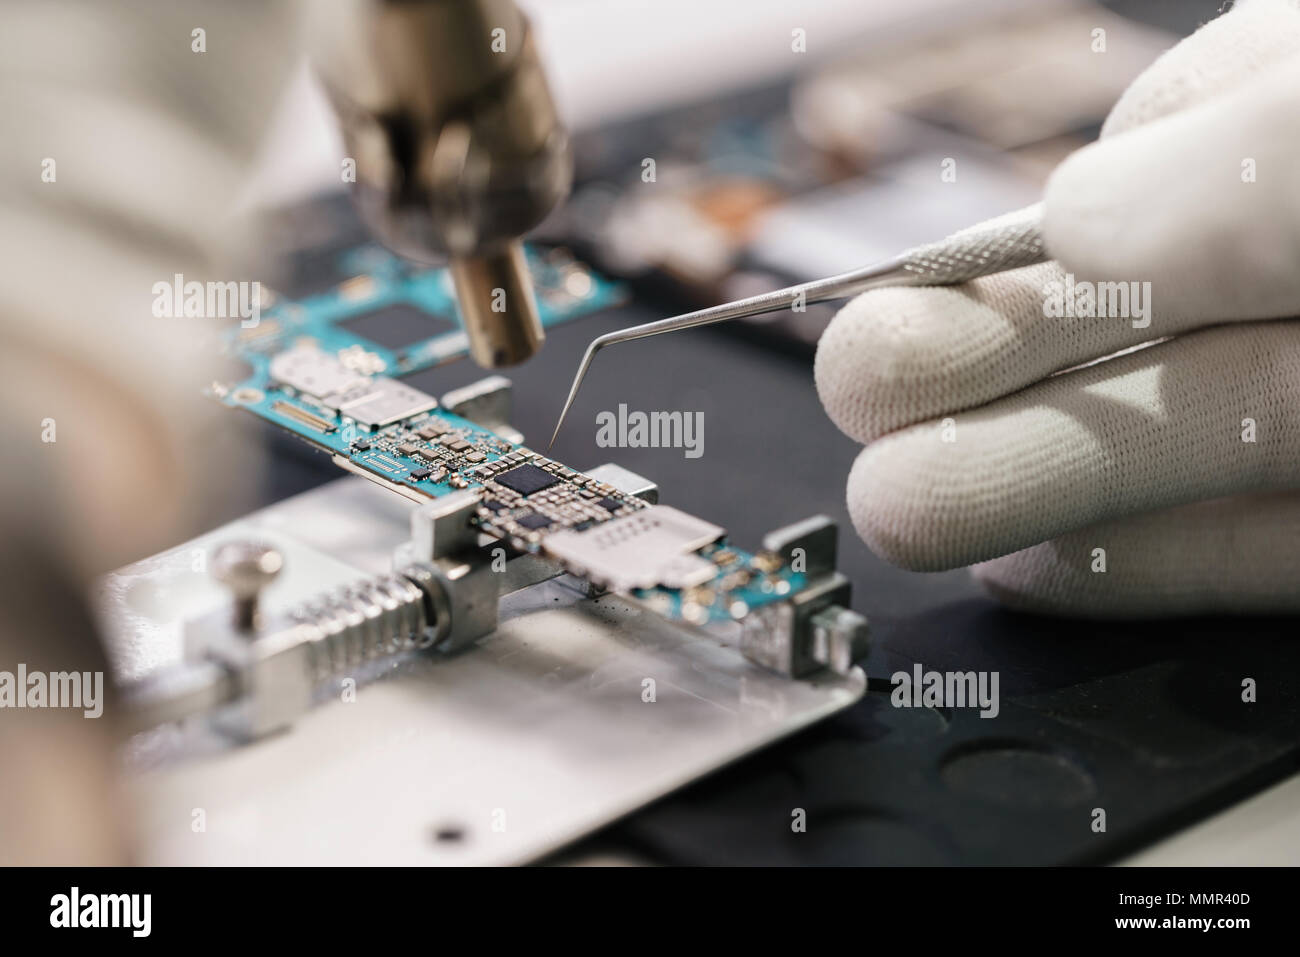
x: 1249, y: 39
x: 1201, y: 204
x: 892, y: 357
x: 1238, y: 555
x: 895, y: 357
x: 1200, y: 416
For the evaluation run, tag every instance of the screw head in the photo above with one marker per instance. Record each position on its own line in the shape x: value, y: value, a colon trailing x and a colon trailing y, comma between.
x: 246, y: 567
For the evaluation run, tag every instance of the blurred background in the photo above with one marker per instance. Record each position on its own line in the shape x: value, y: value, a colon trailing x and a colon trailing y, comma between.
x: 789, y: 144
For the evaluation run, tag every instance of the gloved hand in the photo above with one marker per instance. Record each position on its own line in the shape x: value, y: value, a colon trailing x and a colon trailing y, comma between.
x: 1159, y: 481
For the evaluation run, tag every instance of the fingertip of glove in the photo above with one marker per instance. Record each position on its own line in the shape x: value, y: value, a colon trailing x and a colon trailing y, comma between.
x: 849, y: 370
x: 926, y: 502
x: 887, y: 501
x: 880, y: 365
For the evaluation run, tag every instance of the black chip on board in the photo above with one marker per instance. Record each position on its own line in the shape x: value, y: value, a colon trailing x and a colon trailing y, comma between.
x: 610, y: 504
x: 527, y: 479
x: 533, y: 520
x: 419, y: 474
x: 398, y: 325
x: 494, y: 505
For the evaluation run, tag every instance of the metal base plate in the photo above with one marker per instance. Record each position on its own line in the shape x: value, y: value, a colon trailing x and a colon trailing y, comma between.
x: 535, y: 737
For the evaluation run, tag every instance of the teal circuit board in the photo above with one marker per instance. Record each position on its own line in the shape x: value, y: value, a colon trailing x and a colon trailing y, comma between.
x: 394, y: 317
x: 317, y: 374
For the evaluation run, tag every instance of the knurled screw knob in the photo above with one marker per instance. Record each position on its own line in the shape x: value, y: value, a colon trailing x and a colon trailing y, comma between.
x: 246, y: 568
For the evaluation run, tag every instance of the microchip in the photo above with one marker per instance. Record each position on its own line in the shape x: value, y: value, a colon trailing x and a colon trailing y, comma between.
x: 360, y: 446
x: 533, y: 520
x: 408, y: 448
x: 419, y: 474
x: 610, y: 504
x: 398, y: 325
x: 527, y: 479
x: 494, y: 505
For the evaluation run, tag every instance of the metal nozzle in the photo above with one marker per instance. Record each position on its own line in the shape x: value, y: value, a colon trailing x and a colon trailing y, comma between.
x: 495, y: 294
x: 458, y: 146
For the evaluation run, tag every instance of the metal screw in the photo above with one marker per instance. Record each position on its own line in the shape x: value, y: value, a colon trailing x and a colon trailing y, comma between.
x: 246, y: 568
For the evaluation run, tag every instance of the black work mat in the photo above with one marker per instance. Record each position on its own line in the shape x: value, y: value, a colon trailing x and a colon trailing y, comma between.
x: 1142, y: 720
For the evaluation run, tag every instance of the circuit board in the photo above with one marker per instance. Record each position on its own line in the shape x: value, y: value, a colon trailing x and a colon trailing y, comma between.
x: 390, y: 316
x: 315, y: 374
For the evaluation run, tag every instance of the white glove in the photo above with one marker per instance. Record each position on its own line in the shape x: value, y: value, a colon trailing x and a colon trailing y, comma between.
x: 1107, y: 484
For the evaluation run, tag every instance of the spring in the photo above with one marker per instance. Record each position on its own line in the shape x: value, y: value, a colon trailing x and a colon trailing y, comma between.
x: 364, y: 621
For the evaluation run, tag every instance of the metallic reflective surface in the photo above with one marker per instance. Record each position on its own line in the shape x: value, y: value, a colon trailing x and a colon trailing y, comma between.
x: 458, y: 148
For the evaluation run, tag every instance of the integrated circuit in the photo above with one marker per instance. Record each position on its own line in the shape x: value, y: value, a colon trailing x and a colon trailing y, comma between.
x: 527, y: 479
x: 398, y: 325
x: 528, y: 497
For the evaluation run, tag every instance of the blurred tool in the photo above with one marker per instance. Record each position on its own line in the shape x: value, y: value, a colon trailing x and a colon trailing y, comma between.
x: 1007, y: 242
x: 458, y: 150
